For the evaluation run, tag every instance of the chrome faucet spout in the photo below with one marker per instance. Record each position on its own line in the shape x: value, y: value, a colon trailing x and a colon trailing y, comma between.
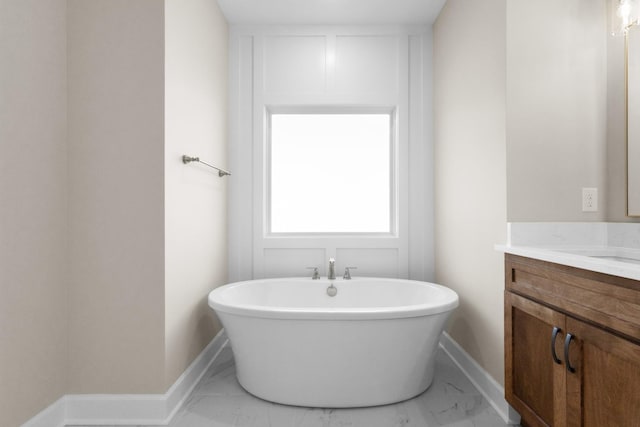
x: 332, y: 269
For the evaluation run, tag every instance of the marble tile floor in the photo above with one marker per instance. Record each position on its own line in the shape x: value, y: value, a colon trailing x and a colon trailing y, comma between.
x: 219, y: 401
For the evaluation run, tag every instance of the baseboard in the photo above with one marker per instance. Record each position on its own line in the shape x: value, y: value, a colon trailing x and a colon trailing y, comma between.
x: 490, y: 388
x: 159, y: 409
x: 129, y: 409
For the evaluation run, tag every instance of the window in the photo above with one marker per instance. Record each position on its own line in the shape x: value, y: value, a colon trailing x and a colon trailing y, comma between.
x: 331, y: 172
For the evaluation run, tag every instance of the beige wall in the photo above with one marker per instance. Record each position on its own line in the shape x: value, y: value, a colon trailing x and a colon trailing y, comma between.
x: 557, y: 108
x: 147, y: 83
x: 107, y: 270
x: 33, y: 207
x: 116, y: 196
x: 195, y: 197
x: 562, y: 132
x: 470, y: 174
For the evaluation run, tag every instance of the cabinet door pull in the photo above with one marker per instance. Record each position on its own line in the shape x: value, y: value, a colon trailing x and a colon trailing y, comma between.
x: 567, y: 341
x: 554, y: 335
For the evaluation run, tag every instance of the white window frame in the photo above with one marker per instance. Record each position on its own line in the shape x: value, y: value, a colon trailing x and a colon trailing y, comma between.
x: 391, y: 111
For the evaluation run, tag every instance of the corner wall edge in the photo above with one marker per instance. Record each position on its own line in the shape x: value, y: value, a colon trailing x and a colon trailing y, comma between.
x: 480, y: 378
x: 130, y: 409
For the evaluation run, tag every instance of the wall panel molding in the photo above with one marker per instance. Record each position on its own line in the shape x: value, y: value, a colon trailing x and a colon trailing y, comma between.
x: 336, y: 66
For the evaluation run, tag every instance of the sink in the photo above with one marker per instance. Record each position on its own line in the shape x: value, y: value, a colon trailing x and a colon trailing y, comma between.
x: 617, y: 258
x: 626, y: 255
x: 613, y: 260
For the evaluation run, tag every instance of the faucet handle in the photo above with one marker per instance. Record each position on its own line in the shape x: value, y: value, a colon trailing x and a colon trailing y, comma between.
x: 347, y: 273
x: 316, y: 273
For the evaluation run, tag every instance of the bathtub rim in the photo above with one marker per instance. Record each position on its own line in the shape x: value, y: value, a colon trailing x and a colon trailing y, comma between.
x: 337, y: 313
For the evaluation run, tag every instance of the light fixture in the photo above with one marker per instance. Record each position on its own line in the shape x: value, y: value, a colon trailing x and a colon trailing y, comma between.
x: 624, y: 15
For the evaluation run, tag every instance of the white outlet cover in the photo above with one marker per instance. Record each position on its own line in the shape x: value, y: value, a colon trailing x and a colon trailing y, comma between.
x: 589, y: 200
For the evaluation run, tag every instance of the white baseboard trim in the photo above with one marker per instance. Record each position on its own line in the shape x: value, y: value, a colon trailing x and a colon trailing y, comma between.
x: 490, y: 388
x: 159, y: 409
x: 130, y: 409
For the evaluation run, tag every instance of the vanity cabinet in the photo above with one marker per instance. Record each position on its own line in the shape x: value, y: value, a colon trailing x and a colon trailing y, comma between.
x: 572, y: 345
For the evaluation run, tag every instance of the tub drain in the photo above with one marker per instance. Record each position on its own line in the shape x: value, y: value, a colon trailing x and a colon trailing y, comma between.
x: 332, y: 291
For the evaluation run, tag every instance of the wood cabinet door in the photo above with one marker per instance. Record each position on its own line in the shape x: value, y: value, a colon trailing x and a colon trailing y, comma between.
x: 534, y: 381
x: 604, y: 390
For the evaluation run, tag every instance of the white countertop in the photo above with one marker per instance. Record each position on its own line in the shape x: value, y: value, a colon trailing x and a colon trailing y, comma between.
x: 616, y: 261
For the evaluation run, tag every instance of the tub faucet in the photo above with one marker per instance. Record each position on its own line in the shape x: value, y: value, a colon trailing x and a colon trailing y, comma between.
x: 332, y: 269
x: 316, y: 273
x: 347, y: 272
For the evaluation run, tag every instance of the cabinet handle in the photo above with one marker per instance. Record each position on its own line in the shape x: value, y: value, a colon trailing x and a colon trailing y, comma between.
x: 554, y: 335
x: 567, y: 341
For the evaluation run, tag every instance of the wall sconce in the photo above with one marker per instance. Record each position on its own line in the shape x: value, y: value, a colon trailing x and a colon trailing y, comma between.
x: 624, y: 14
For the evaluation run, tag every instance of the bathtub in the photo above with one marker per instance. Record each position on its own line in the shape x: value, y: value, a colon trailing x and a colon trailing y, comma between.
x: 373, y: 343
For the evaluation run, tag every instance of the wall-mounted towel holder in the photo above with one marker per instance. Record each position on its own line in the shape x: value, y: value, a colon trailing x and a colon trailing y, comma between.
x: 188, y: 159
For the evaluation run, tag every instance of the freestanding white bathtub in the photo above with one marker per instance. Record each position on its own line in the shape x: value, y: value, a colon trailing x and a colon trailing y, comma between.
x: 373, y: 343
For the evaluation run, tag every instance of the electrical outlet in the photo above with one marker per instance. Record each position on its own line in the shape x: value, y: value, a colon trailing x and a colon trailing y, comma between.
x: 589, y: 200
